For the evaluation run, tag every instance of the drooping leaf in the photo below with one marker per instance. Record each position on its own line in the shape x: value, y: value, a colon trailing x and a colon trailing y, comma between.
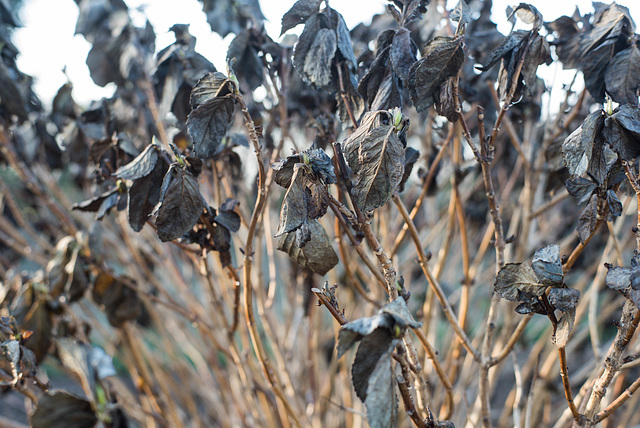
x: 376, y: 156
x: 547, y: 266
x: 227, y: 217
x: 564, y: 299
x: 564, y: 327
x: 517, y: 277
x: 299, y: 13
x: 594, y: 66
x: 506, y: 49
x: 181, y: 204
x: 622, y: 77
x: 539, y: 53
x: 232, y: 17
x: 588, y: 219
x: 244, y: 50
x: 402, y: 53
x: 59, y: 409
x: 580, y: 188
x: 615, y: 206
x: 372, y: 373
x: 144, y: 195
x: 411, y: 156
x: 317, y: 64
x: 445, y: 101
x: 578, y: 148
x: 208, y: 124
x: 294, y: 207
x: 317, y: 254
x: 374, y: 378
x: 567, y: 41
x: 141, y: 166
x: 442, y: 57
x: 622, y: 131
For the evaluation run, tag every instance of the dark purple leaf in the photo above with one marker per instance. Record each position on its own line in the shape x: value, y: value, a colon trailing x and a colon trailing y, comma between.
x: 181, y: 204
x: 622, y: 77
x: 588, y: 219
x: 121, y: 303
x: 411, y: 156
x: 402, y: 53
x: 144, y: 195
x: 445, y: 101
x: 317, y: 64
x: 294, y: 206
x: 100, y: 204
x: 226, y: 17
x: 208, y: 124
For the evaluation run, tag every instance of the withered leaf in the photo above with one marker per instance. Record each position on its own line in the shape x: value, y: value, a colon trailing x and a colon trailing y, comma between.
x: 461, y: 14
x: 622, y: 77
x: 121, y: 303
x: 528, y: 14
x: 32, y: 313
x: 294, y: 207
x: 567, y: 41
x: 621, y: 278
x: 181, y: 204
x: 373, y: 378
x: 208, y: 124
x: 232, y: 17
x: 580, y: 188
x: 318, y: 201
x: 622, y: 131
x: 372, y: 372
x: 402, y: 53
x: 59, y: 409
x: 102, y: 203
x: 375, y: 154
x: 564, y: 327
x: 547, y: 266
x: 588, y: 219
x: 564, y: 299
x: 351, y: 99
x: 227, y: 217
x: 445, y: 101
x: 615, y: 206
x: 144, y: 195
x: 411, y: 156
x: 517, y: 277
x: 299, y: 13
x: 578, y: 148
x: 211, y: 85
x: 244, y: 49
x: 317, y: 254
x: 140, y: 166
x: 442, y: 57
x: 539, y: 53
x: 317, y: 64
x: 594, y: 66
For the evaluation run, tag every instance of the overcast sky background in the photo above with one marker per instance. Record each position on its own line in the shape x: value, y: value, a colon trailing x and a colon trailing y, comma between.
x: 47, y: 43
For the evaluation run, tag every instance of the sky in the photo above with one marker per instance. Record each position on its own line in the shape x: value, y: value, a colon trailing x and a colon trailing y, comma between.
x: 48, y: 45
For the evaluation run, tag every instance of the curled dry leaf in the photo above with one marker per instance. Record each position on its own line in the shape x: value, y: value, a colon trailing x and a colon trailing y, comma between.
x: 564, y: 327
x: 376, y: 156
x: 316, y: 254
x: 547, y: 266
x: 564, y: 299
x: 517, y: 277
x: 141, y: 166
